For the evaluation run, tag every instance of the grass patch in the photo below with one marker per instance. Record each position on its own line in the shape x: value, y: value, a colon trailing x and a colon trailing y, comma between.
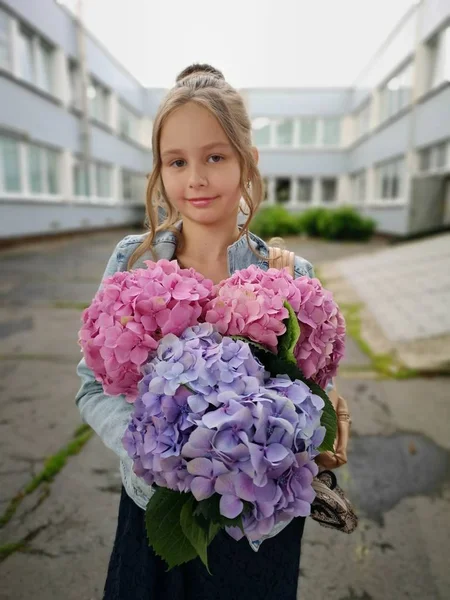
x: 20, y: 546
x: 51, y: 468
x: 70, y: 305
x: 8, y: 549
x: 386, y: 365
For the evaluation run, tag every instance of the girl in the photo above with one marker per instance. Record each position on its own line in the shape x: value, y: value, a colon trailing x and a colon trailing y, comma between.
x: 204, y: 166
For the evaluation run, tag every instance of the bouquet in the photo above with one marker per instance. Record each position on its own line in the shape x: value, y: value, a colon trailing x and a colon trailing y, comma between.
x: 227, y: 384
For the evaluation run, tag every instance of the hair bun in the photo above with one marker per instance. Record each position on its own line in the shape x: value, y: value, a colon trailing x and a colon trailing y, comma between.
x: 196, y: 69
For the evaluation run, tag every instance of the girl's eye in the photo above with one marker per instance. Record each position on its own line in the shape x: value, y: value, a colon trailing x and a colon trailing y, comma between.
x: 175, y: 163
x: 216, y: 156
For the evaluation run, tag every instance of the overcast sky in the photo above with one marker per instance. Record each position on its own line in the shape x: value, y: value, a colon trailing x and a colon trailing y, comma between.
x: 257, y: 43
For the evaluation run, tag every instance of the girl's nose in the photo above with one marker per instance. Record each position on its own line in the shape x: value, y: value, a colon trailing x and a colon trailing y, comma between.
x: 197, y: 178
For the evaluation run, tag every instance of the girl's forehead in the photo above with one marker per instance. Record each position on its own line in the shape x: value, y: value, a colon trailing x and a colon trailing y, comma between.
x: 191, y: 126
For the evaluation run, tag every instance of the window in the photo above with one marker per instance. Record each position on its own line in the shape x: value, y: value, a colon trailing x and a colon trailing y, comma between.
x: 81, y: 179
x: 441, y: 155
x: 52, y: 171
x: 5, y: 51
x: 36, y: 175
x: 439, y: 58
x: 26, y: 56
x: 396, y: 94
x: 35, y: 59
x: 425, y: 159
x: 362, y: 121
x: 284, y: 132
x: 261, y: 131
x: 42, y: 170
x: 103, y: 181
x: 331, y: 132
x: 304, y: 189
x: 133, y: 186
x: 358, y: 187
x: 282, y: 190
x: 44, y: 66
x: 35, y: 169
x: 434, y: 158
x: 390, y: 179
x: 9, y: 164
x: 328, y: 190
x: 75, y: 85
x: 308, y: 132
x: 129, y: 123
x: 99, y: 102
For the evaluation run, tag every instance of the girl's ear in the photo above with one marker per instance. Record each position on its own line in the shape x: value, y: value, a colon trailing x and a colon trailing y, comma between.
x: 255, y: 153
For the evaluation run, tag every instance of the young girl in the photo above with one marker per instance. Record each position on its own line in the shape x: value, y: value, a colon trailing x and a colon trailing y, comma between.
x: 204, y: 166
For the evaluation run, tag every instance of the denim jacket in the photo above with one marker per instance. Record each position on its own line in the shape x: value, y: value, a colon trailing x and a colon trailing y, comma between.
x: 109, y: 415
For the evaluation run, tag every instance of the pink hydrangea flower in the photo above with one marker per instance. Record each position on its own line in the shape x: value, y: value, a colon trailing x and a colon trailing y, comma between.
x: 131, y: 313
x: 250, y: 304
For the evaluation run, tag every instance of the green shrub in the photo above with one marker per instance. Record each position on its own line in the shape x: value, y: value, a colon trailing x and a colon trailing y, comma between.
x: 308, y: 221
x: 274, y: 221
x: 344, y: 223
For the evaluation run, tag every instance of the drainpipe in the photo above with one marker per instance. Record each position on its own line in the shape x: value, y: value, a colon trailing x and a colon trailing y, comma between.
x: 84, y: 76
x: 417, y: 88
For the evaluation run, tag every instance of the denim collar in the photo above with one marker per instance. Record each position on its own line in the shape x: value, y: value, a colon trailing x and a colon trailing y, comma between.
x: 240, y: 255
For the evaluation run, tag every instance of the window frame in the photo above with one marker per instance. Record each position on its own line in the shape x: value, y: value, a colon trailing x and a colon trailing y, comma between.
x: 390, y: 181
x: 323, y: 180
x: 6, y: 40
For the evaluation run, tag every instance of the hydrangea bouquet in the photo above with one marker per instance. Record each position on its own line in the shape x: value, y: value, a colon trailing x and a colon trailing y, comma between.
x: 228, y: 385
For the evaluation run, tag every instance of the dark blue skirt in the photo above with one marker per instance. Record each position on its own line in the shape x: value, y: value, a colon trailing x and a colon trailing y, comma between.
x: 238, y: 573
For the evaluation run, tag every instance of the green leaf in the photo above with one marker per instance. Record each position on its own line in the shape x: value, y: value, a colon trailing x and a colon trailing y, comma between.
x: 164, y: 531
x: 290, y: 337
x: 328, y: 419
x: 198, y: 530
x: 251, y: 343
x: 276, y: 366
x: 209, y: 509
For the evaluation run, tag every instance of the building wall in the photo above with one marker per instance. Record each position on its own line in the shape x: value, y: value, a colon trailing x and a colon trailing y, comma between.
x: 392, y: 220
x: 387, y: 142
x: 30, y: 218
x: 283, y: 163
x: 433, y: 118
x: 48, y: 18
x: 35, y: 117
x: 293, y: 102
x: 391, y: 151
x: 48, y: 118
x: 435, y: 13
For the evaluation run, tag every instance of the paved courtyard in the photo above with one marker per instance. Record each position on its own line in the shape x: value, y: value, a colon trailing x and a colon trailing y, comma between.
x: 407, y: 287
x: 56, y: 542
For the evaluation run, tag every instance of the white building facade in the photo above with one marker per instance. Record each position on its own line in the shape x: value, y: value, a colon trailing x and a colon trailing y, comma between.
x: 75, y: 130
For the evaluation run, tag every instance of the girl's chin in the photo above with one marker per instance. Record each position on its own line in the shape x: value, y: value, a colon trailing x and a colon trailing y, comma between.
x: 209, y: 215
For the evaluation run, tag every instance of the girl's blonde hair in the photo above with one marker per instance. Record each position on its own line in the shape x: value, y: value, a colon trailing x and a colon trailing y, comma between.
x: 205, y: 86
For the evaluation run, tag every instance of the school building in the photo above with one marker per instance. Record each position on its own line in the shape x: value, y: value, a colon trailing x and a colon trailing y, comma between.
x: 75, y: 129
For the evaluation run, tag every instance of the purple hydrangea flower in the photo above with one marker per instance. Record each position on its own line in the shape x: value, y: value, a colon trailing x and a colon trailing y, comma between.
x: 209, y: 420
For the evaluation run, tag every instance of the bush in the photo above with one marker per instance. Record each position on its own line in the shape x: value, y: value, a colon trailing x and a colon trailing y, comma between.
x: 274, y: 221
x: 308, y: 221
x: 344, y: 224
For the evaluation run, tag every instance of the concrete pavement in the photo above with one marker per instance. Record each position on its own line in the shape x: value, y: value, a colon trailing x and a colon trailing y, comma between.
x: 57, y: 543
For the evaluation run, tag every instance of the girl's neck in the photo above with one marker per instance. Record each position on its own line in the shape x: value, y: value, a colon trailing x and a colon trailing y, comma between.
x: 207, y: 244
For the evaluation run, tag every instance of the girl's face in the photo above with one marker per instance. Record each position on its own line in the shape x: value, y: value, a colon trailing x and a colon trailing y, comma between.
x: 200, y: 169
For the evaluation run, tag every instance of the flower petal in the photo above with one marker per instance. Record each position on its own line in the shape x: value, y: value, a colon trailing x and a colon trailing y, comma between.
x: 202, y: 488
x: 230, y: 506
x: 200, y: 466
